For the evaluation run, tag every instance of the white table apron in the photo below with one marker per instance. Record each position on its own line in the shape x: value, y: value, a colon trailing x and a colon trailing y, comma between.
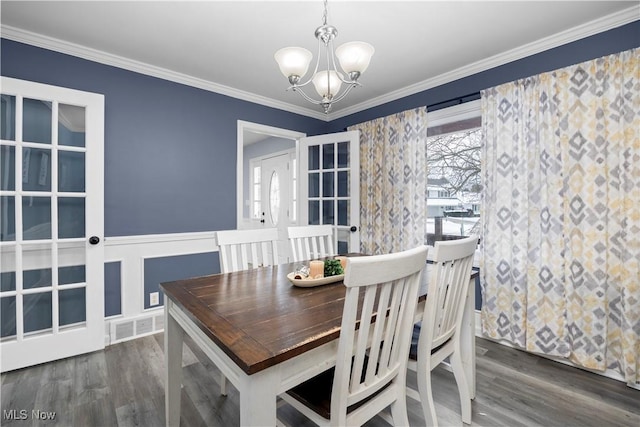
x: 258, y: 392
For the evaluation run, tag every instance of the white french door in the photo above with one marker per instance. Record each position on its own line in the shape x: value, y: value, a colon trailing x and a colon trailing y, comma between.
x: 52, y: 222
x: 330, y: 185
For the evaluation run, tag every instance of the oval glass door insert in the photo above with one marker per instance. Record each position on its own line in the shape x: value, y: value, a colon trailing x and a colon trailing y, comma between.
x: 274, y: 197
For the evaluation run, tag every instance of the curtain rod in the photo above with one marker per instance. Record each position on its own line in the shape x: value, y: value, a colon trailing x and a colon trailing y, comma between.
x: 448, y: 103
x: 455, y: 101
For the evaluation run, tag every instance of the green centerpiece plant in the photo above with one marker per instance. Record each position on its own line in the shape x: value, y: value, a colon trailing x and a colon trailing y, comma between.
x: 332, y: 267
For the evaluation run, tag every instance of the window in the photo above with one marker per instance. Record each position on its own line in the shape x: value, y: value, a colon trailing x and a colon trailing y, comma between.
x: 294, y: 189
x: 256, y: 190
x: 453, y: 152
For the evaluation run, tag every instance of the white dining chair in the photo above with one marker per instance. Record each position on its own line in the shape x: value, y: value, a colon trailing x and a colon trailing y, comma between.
x: 439, y: 331
x: 246, y: 249
x: 242, y: 250
x: 371, y: 363
x: 311, y: 242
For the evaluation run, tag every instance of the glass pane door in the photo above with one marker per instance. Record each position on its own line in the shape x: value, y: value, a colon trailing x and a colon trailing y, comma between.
x: 49, y: 289
x: 330, y: 184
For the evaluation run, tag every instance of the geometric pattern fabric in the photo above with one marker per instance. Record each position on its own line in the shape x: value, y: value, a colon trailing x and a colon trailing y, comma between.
x: 393, y: 182
x: 561, y: 213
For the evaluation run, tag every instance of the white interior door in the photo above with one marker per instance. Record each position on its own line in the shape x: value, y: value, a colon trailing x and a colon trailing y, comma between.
x: 329, y: 189
x: 51, y: 203
x: 277, y: 180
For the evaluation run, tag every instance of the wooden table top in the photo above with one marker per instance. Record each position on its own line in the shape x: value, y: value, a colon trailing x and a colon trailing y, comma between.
x: 257, y: 317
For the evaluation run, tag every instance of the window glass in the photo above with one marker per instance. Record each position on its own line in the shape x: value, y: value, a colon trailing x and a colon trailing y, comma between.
x: 36, y: 121
x: 274, y: 198
x: 8, y: 165
x: 314, y: 157
x: 8, y: 117
x: 36, y: 169
x: 71, y: 125
x: 314, y: 212
x: 256, y: 203
x: 294, y: 190
x: 328, y: 156
x: 454, y: 189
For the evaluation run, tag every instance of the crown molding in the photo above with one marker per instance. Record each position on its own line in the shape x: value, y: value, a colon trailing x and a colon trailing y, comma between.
x: 61, y: 46
x: 585, y: 30
x: 596, y: 26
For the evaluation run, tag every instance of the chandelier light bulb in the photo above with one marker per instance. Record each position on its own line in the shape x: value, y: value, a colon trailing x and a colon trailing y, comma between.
x: 320, y: 83
x: 293, y: 61
x: 354, y: 56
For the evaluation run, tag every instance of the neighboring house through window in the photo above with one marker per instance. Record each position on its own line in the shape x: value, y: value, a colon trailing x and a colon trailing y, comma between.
x: 453, y: 156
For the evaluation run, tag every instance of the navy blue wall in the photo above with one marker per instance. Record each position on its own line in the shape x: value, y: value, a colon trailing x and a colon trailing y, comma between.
x: 168, y: 269
x: 612, y: 41
x: 170, y: 149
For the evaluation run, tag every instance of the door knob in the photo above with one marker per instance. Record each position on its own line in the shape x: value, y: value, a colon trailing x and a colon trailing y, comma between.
x: 353, y: 229
x: 94, y: 240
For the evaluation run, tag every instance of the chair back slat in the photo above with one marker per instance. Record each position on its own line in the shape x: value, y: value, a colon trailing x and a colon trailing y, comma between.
x: 362, y: 339
x: 386, y: 358
x: 448, y: 285
x: 311, y: 242
x: 243, y: 261
x: 379, y: 330
x: 255, y: 250
x: 384, y: 289
x: 244, y: 249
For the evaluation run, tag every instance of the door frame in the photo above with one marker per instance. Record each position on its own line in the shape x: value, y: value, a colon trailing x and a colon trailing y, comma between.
x: 242, y: 127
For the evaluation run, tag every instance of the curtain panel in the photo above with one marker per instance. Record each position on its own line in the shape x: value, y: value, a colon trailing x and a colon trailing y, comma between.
x: 561, y: 213
x: 393, y: 182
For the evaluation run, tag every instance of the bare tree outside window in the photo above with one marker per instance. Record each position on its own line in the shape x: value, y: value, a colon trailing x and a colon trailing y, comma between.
x: 454, y: 187
x: 456, y: 157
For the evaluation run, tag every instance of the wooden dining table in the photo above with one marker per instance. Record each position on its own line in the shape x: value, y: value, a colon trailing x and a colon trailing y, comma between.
x: 267, y: 335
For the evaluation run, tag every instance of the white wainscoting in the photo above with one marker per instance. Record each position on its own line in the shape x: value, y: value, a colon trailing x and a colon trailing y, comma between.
x: 131, y: 252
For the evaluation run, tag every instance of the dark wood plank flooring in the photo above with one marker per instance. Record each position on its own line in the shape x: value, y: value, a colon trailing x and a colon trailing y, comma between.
x: 123, y: 386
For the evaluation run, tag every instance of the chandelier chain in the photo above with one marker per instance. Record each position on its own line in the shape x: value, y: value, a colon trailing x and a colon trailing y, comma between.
x: 324, y: 15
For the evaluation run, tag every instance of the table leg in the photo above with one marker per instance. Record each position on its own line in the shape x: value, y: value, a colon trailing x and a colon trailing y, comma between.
x: 173, y: 340
x: 468, y: 339
x: 258, y: 396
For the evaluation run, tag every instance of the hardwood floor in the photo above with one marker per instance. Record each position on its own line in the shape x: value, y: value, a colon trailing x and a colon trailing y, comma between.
x: 123, y: 386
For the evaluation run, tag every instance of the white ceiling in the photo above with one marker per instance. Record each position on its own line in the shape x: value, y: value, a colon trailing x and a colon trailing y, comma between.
x: 228, y: 46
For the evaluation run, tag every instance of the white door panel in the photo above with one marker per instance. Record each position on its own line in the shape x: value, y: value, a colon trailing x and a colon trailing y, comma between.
x: 51, y: 203
x: 276, y: 198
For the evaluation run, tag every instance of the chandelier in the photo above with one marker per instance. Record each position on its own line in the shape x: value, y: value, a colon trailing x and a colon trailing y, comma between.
x: 354, y: 59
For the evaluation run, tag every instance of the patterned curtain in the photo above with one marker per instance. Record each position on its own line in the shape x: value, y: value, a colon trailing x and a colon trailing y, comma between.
x: 561, y: 212
x: 393, y: 182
